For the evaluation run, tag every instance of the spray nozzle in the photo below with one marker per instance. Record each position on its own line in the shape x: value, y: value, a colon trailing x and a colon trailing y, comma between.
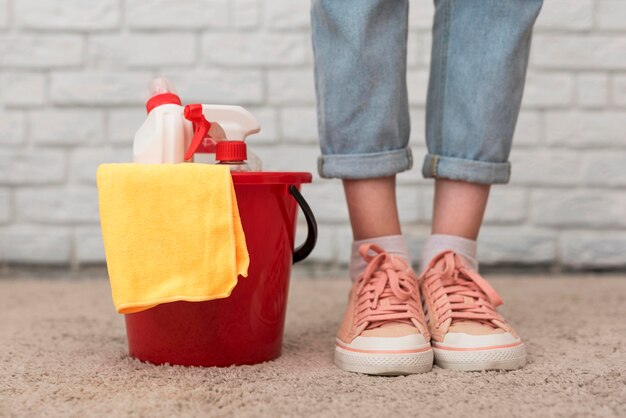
x: 201, y: 126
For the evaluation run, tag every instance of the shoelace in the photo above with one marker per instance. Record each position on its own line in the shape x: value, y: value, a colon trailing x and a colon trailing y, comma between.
x: 460, y: 293
x: 388, y: 291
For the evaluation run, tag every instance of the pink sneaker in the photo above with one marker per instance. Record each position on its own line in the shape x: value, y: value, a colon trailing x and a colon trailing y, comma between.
x: 467, y: 333
x: 384, y: 331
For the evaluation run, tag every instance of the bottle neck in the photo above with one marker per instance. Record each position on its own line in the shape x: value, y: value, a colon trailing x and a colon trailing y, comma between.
x: 239, y: 162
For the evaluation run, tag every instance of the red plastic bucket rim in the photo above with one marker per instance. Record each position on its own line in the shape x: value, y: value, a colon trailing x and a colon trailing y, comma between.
x: 269, y: 177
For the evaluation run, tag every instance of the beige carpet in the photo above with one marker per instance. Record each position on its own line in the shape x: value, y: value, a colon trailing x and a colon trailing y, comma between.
x: 63, y: 353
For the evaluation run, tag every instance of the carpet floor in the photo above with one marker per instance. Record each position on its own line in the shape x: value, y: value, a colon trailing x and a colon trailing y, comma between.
x: 63, y: 353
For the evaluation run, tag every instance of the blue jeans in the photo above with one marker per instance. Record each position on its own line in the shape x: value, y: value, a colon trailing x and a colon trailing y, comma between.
x: 478, y: 67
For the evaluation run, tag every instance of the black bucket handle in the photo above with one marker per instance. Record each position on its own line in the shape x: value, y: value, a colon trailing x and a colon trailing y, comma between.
x: 305, y: 249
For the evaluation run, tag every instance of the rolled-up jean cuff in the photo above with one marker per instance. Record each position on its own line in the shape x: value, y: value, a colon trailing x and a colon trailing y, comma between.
x: 364, y: 166
x: 472, y: 171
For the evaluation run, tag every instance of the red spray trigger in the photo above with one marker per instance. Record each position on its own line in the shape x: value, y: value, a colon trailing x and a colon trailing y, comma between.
x: 201, y: 126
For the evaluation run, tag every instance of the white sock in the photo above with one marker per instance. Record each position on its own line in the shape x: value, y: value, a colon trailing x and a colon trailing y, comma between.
x: 437, y: 243
x: 393, y: 244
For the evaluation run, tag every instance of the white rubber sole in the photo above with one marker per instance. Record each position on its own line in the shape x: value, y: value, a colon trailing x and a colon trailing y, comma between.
x: 385, y: 363
x: 498, y: 358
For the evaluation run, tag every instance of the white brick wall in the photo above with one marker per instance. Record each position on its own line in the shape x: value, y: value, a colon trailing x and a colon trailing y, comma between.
x: 72, y: 81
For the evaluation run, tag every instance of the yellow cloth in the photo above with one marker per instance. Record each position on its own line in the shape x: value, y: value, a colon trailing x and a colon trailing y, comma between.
x: 171, y: 232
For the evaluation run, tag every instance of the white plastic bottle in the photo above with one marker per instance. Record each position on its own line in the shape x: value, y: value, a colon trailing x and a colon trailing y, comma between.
x: 165, y: 135
x: 228, y: 124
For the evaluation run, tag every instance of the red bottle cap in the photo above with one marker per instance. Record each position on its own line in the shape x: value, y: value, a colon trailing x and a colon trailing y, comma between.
x: 161, y: 99
x: 231, y: 151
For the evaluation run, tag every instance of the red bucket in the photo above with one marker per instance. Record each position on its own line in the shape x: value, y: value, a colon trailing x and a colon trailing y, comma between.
x: 247, y: 327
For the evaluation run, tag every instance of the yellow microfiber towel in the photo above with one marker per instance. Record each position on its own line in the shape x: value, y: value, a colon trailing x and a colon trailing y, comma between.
x: 171, y: 232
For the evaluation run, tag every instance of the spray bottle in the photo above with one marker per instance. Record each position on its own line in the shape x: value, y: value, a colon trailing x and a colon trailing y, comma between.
x: 165, y: 135
x: 222, y: 139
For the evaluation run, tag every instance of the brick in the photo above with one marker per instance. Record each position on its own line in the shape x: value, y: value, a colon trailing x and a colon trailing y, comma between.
x: 22, y: 167
x: 548, y: 90
x: 324, y: 251
x: 566, y: 15
x: 291, y: 87
x: 591, y: 249
x: 516, y: 245
x: 425, y: 49
x: 247, y: 14
x: 610, y: 14
x: 110, y: 88
x: 67, y: 14
x: 299, y: 124
x: 417, y: 84
x: 267, y: 119
x: 58, y: 205
x: 36, y: 244
x: 343, y: 244
x: 415, y: 52
x: 327, y: 201
x: 592, y: 89
x: 289, y: 158
x: 6, y: 211
x: 539, y: 167
x: 40, y: 51
x: 89, y: 245
x: 506, y: 205
x: 619, y: 90
x: 12, y: 128
x: 528, y: 130
x: 416, y: 236
x: 123, y: 123
x: 84, y: 162
x: 414, y: 175
x: 142, y: 50
x: 287, y: 14
x: 66, y: 126
x: 241, y: 87
x: 574, y: 129
x: 23, y: 89
x: 407, y: 198
x: 4, y: 13
x: 421, y: 14
x: 254, y: 49
x: 579, y: 52
x: 418, y: 127
x: 181, y: 14
x: 604, y: 168
x: 589, y: 208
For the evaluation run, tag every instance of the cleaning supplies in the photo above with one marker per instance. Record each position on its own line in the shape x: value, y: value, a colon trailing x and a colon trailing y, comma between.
x: 173, y: 134
x: 165, y: 135
x: 172, y: 232
x: 227, y: 124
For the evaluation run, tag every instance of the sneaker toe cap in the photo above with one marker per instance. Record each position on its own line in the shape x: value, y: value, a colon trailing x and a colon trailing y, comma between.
x: 464, y: 341
x: 406, y: 342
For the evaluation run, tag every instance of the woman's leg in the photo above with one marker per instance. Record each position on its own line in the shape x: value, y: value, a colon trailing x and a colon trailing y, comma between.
x: 372, y: 207
x: 360, y: 74
x: 458, y: 210
x: 478, y: 68
x: 363, y: 113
